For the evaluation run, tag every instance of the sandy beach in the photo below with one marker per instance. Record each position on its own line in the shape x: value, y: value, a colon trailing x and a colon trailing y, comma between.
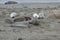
x: 49, y: 28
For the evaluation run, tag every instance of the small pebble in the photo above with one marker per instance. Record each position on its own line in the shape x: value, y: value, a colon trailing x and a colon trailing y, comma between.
x: 19, y: 38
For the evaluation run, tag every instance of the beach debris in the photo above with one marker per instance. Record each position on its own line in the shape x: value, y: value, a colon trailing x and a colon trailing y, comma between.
x: 20, y: 24
x: 27, y: 18
x: 35, y: 15
x: 13, y: 14
x: 41, y: 16
x: 34, y: 21
x: 19, y: 19
x: 22, y: 21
